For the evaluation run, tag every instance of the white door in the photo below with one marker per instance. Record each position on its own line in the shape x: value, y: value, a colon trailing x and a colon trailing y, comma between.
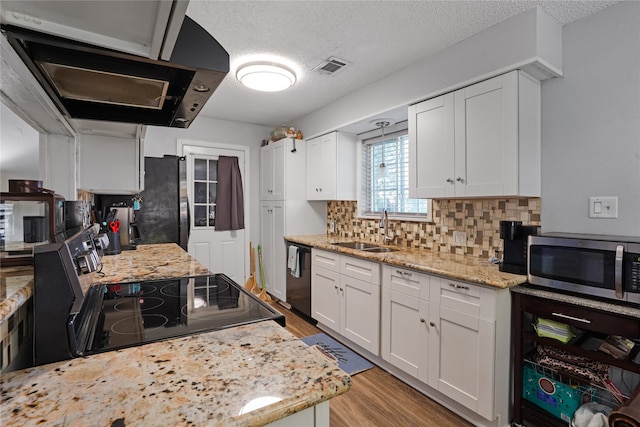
x: 486, y: 135
x: 326, y: 297
x: 360, y: 313
x: 461, y: 355
x: 401, y: 331
x: 219, y: 251
x: 431, y: 148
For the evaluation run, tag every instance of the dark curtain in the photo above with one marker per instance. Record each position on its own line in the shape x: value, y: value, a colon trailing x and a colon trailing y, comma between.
x: 229, y: 198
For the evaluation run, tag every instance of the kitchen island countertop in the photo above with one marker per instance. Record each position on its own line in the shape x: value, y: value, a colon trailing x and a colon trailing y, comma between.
x: 461, y: 267
x: 215, y: 378
x: 147, y: 262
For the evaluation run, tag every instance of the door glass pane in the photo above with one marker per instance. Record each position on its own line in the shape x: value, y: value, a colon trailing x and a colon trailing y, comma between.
x: 200, y: 192
x: 213, y: 170
x: 212, y: 193
x: 212, y: 215
x: 200, y: 216
x: 200, y: 169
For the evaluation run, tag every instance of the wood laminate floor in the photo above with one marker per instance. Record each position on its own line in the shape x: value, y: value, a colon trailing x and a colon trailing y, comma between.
x: 377, y: 398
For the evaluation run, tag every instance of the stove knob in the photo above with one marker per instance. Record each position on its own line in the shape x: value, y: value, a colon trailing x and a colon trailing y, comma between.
x: 84, y: 263
x: 88, y: 262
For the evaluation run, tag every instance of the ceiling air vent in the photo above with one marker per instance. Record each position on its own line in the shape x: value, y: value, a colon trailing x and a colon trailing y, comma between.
x: 331, y: 65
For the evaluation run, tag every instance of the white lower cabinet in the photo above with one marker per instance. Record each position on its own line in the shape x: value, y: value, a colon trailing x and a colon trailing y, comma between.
x: 405, y: 309
x: 443, y: 333
x: 345, y: 297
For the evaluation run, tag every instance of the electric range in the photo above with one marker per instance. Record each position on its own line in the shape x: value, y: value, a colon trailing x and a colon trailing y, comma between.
x: 72, y: 320
x: 140, y: 312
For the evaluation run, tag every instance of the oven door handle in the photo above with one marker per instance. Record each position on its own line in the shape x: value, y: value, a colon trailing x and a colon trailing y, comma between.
x: 618, y: 270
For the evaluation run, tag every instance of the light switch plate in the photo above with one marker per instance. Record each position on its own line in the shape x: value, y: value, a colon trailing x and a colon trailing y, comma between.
x: 603, y: 207
x: 459, y: 238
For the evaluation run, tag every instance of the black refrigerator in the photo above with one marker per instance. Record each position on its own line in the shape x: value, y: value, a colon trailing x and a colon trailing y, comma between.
x: 164, y: 212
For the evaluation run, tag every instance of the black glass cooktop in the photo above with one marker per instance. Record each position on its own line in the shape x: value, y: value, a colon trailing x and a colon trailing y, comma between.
x: 140, y: 312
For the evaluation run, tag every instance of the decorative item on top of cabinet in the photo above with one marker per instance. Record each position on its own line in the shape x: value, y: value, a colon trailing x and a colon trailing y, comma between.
x: 479, y: 141
x: 284, y: 209
x: 331, y: 167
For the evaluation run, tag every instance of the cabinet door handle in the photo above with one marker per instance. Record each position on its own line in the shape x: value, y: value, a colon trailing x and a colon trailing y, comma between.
x: 459, y: 179
x: 453, y: 285
x: 335, y: 287
x: 577, y: 319
x: 449, y: 180
x: 422, y: 320
x: 433, y: 325
x: 403, y: 273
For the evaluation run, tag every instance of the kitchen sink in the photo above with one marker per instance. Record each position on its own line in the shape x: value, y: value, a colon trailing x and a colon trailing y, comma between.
x: 380, y: 249
x: 364, y: 246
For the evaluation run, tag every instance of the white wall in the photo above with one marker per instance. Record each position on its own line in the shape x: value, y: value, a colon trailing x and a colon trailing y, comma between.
x: 159, y: 141
x: 19, y: 149
x: 591, y: 125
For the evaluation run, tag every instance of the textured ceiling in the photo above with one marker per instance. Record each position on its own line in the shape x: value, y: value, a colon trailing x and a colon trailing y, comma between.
x: 376, y: 37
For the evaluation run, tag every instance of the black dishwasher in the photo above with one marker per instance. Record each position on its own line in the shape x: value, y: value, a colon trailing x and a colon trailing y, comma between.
x: 299, y: 288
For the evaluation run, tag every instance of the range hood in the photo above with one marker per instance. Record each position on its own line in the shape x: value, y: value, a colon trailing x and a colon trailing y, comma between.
x: 96, y: 83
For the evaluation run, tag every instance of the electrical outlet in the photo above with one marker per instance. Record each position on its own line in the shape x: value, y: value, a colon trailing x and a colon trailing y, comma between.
x: 603, y: 207
x: 332, y: 226
x: 459, y: 238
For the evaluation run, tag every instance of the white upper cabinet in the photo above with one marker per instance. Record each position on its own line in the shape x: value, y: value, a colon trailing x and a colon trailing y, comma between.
x: 272, y: 171
x: 479, y: 141
x: 108, y: 165
x: 431, y: 148
x: 331, y: 167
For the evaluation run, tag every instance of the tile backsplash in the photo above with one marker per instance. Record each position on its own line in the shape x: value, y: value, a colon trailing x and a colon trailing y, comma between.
x: 478, y: 218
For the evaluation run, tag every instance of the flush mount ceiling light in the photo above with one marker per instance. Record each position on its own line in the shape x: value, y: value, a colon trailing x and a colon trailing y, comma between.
x: 265, y: 76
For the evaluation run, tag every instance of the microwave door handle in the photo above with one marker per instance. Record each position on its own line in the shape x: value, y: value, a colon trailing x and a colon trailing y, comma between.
x: 618, y: 270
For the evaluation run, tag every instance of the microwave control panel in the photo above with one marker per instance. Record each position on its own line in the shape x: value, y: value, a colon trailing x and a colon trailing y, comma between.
x: 633, y: 272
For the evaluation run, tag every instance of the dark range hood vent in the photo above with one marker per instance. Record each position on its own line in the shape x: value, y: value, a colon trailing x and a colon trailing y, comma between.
x: 89, y: 82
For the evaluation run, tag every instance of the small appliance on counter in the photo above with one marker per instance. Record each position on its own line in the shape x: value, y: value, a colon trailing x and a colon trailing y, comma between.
x: 29, y: 216
x: 586, y: 264
x: 514, y: 236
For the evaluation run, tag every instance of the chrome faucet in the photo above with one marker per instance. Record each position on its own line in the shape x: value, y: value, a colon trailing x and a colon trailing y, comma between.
x: 384, y: 224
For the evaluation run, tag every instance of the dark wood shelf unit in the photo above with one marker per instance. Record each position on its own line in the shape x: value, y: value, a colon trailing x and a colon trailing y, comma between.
x: 592, y: 322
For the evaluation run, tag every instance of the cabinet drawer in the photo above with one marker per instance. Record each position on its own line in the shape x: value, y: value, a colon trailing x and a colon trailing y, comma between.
x: 360, y: 269
x: 326, y: 259
x: 405, y: 281
x: 582, y: 317
x: 464, y: 297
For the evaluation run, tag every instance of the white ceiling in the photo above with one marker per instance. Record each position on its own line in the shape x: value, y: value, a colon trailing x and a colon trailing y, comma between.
x: 378, y: 38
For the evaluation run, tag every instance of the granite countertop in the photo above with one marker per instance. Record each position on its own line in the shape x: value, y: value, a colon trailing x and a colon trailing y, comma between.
x: 16, y: 287
x: 216, y: 378
x: 461, y: 267
x: 147, y: 262
x: 609, y: 307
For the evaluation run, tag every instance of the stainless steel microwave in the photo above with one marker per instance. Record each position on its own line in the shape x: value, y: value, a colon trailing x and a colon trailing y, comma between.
x: 592, y: 265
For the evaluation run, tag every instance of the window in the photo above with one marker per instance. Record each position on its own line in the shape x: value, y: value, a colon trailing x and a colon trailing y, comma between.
x: 385, y: 178
x: 205, y: 182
